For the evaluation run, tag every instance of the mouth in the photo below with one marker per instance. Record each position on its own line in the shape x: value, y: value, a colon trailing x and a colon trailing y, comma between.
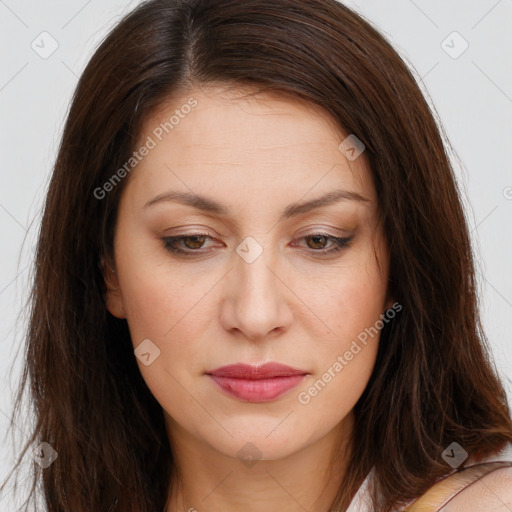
x: 257, y: 383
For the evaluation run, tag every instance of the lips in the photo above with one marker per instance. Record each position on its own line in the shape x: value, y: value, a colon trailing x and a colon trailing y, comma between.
x: 257, y: 383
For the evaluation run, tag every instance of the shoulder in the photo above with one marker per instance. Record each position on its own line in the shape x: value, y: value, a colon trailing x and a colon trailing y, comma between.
x: 491, y: 493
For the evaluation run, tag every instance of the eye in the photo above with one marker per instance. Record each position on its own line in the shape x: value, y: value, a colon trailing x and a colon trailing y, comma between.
x: 318, y: 241
x: 192, y: 242
x: 189, y: 245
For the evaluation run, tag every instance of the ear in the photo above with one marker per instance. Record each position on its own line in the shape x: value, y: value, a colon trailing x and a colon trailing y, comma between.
x: 113, y: 296
x: 390, y: 300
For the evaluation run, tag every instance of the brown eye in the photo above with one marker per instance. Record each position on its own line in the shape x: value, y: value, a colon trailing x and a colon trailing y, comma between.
x: 318, y: 241
x: 196, y: 242
x: 323, y: 243
x: 187, y: 244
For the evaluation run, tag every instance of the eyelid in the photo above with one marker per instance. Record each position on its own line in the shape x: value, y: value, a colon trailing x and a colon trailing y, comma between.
x: 328, y: 231
x: 339, y: 243
x: 315, y: 231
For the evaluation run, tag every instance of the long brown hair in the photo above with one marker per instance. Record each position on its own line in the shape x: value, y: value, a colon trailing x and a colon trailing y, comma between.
x: 433, y: 382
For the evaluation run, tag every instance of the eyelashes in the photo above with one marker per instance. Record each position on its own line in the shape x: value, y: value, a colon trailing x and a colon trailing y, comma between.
x: 172, y: 243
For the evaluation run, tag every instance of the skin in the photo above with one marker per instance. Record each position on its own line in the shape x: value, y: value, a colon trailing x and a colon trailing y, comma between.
x: 291, y: 305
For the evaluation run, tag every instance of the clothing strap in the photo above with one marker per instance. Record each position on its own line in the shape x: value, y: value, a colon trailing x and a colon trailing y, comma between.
x: 443, y: 491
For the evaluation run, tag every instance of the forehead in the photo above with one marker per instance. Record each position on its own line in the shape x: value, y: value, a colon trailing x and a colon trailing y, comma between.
x: 230, y: 140
x: 238, y: 123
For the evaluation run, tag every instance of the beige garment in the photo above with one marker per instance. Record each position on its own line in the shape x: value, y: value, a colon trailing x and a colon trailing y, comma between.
x: 444, y: 491
x: 501, y: 480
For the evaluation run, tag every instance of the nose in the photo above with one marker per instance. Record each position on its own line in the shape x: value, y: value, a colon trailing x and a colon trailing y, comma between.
x: 256, y: 298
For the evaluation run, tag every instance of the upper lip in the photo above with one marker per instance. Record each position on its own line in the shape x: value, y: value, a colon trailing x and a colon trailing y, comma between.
x: 265, y: 371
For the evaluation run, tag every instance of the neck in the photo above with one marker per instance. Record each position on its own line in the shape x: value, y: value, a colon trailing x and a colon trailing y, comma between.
x: 205, y: 479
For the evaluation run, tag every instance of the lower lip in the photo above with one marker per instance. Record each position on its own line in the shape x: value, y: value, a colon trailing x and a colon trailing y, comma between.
x: 261, y: 390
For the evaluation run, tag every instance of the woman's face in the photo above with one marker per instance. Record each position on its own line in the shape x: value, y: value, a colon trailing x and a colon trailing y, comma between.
x: 259, y: 276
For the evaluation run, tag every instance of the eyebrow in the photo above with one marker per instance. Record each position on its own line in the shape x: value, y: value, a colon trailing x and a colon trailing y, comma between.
x: 211, y: 206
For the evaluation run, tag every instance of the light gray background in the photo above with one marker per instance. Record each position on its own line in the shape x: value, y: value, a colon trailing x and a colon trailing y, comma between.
x: 472, y: 95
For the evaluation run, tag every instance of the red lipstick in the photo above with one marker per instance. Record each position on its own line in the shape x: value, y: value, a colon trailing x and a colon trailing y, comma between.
x: 256, y: 383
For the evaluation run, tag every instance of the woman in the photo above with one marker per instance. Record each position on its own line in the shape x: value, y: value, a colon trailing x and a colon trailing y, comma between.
x: 254, y: 284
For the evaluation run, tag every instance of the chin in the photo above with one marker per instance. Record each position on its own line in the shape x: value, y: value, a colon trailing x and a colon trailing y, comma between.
x: 252, y: 447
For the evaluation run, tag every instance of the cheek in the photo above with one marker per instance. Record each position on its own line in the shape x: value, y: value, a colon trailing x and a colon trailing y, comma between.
x: 348, y: 301
x: 346, y: 359
x: 328, y: 397
x: 173, y: 311
x: 347, y: 355
x: 157, y: 297
x: 170, y: 312
x: 351, y: 310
